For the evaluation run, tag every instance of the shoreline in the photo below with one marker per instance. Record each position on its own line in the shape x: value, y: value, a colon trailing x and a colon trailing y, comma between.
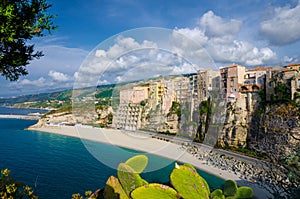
x: 23, y: 117
x: 129, y: 140
x: 147, y: 144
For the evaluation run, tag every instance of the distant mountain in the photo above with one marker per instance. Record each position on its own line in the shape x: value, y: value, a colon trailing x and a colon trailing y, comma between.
x: 59, y: 95
x: 102, y: 91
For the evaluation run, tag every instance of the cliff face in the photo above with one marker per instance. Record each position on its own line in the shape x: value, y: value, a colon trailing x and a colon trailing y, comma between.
x: 238, y: 119
x: 275, y: 130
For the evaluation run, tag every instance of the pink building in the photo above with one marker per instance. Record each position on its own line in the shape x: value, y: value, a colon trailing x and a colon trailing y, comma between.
x: 135, y: 95
x: 126, y: 96
x: 231, y: 79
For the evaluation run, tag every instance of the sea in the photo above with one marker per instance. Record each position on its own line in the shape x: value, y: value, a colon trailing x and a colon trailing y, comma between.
x: 58, y: 166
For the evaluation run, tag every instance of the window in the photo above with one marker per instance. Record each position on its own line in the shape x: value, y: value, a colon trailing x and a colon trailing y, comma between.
x: 298, y: 83
x: 231, y: 83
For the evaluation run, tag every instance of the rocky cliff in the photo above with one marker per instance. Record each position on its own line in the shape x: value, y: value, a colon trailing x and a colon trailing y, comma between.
x: 270, y: 128
x: 275, y: 130
x: 238, y: 120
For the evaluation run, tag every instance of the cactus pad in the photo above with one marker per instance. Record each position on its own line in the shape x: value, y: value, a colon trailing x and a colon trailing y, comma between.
x: 113, y: 189
x: 154, y: 190
x: 244, y: 192
x: 230, y: 197
x: 189, y: 183
x: 138, y: 163
x: 190, y: 166
x: 129, y: 179
x: 217, y: 194
x: 230, y: 188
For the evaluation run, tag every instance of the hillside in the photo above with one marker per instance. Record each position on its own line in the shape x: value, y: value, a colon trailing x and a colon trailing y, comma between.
x: 53, y: 100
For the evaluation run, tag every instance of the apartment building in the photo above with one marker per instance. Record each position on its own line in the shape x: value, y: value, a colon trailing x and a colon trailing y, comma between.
x: 295, y: 67
x: 231, y: 78
x: 288, y: 76
x: 254, y: 80
x: 181, y: 86
x: 208, y: 80
x: 134, y: 95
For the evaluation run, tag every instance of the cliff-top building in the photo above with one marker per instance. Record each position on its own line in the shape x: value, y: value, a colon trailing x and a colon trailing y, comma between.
x: 288, y: 76
x: 295, y: 67
x: 254, y: 80
x: 208, y: 80
x: 231, y: 79
x: 134, y: 95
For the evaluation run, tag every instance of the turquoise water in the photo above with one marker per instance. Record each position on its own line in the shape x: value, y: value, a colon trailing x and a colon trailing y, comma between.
x: 58, y: 166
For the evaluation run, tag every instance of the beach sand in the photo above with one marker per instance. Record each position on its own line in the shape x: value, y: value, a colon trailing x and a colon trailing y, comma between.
x: 144, y: 143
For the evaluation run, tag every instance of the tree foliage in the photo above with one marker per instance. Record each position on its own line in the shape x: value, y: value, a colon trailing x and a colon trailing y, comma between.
x: 21, y: 21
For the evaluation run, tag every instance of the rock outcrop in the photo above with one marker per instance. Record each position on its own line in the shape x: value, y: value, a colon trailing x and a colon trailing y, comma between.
x: 275, y: 130
x: 238, y: 120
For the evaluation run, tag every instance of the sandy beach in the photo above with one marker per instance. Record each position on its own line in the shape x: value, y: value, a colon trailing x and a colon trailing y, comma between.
x: 145, y: 143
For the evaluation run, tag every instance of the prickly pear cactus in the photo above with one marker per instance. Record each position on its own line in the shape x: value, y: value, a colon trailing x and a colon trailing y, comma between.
x: 230, y: 197
x: 194, y: 169
x: 189, y: 183
x: 138, y: 163
x: 113, y: 189
x: 154, y: 190
x: 230, y: 188
x: 190, y: 166
x: 217, y: 194
x: 244, y: 192
x: 129, y: 179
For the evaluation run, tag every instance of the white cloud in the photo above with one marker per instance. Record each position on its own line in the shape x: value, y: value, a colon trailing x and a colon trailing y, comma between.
x: 58, y: 77
x: 122, y: 56
x: 283, y: 26
x: 40, y: 82
x: 216, y: 26
x: 128, y: 59
x: 196, y: 34
x: 288, y: 60
x: 216, y: 36
x: 226, y: 50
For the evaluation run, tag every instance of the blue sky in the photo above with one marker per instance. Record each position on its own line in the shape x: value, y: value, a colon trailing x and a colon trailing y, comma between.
x: 249, y: 32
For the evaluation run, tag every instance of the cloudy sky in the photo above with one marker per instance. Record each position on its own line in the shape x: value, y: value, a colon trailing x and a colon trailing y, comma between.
x: 249, y: 32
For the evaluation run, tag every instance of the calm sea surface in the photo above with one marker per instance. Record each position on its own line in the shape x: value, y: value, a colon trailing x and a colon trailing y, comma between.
x: 19, y: 111
x: 58, y: 166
